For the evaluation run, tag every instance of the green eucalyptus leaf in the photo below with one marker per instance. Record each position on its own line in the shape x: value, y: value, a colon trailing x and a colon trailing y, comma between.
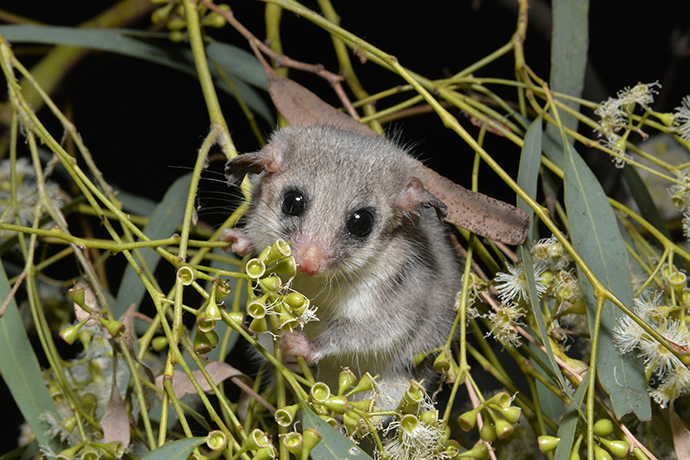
x: 596, y: 237
x: 176, y: 450
x: 569, y: 43
x: 334, y: 445
x: 238, y: 62
x: 568, y: 424
x: 22, y: 373
x: 643, y: 199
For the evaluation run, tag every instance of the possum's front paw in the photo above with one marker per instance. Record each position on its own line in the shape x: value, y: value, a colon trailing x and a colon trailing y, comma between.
x: 296, y: 343
x: 241, y: 244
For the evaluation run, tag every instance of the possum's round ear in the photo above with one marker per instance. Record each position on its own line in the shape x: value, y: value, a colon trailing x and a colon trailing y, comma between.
x: 414, y: 194
x: 268, y: 159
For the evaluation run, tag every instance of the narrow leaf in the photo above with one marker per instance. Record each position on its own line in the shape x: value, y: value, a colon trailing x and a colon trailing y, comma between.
x: 643, y: 199
x: 176, y: 450
x: 569, y: 43
x: 166, y: 218
x: 334, y: 445
x: 21, y: 371
x: 238, y: 62
x: 115, y: 422
x: 596, y: 237
x: 568, y: 424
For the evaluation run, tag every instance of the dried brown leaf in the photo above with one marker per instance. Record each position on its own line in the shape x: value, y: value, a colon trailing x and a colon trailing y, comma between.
x: 681, y: 435
x: 115, y: 422
x: 474, y: 211
x: 218, y: 372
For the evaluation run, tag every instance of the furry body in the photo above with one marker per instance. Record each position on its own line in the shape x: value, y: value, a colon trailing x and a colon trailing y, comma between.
x: 374, y: 256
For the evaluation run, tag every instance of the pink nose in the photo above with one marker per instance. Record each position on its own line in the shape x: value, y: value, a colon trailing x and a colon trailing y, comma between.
x: 312, y: 261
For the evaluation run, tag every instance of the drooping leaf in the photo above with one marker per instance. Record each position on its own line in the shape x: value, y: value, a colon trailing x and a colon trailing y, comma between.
x: 643, y: 199
x: 165, y: 219
x: 596, y: 237
x: 115, y: 422
x: 176, y: 450
x: 569, y: 44
x: 21, y: 371
x: 334, y: 445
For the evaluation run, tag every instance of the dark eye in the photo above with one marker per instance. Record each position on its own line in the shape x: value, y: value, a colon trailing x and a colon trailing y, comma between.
x: 360, y: 223
x: 294, y: 203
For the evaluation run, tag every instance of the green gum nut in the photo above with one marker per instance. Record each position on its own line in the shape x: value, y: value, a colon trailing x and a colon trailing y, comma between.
x: 287, y: 267
x: 186, y: 275
x: 256, y: 440
x: 469, y: 418
x: 677, y: 281
x: 503, y: 428
x: 255, y: 268
x: 575, y: 453
x: 310, y: 438
x: 115, y: 328
x: 547, y: 443
x: 70, y: 452
x: 287, y: 322
x: 216, y: 440
x: 297, y: 302
x: 70, y: 334
x: 365, y: 405
x: 78, y: 296
x: 441, y: 363
x: 113, y: 449
x: 159, y: 343
x: 346, y: 379
x: 270, y: 284
x: 266, y: 453
x: 69, y: 424
x: 221, y: 287
x: 429, y: 417
x: 212, y: 312
x: 205, y: 341
x: 279, y: 250
x: 351, y: 422
x: 337, y: 404
x: 501, y: 399
x: 618, y: 447
x: 91, y: 453
x: 451, y: 449
x: 408, y: 423
x: 329, y: 420
x: 286, y: 415
x: 293, y: 442
x: 320, y: 392
x: 487, y: 432
x: 478, y: 452
x: 603, y: 427
x: 257, y: 308
x: 366, y: 383
x: 234, y: 318
x: 511, y: 414
x: 412, y: 397
x: 601, y: 454
x: 204, y: 325
x: 258, y: 325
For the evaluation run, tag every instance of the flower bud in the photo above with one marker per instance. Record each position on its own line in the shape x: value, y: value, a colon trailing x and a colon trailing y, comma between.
x: 205, y: 341
x: 487, y: 431
x: 603, y: 427
x: 478, y: 452
x: 296, y: 302
x: 618, y: 447
x: 548, y: 443
x: 337, y: 404
x: 287, y: 267
x: 441, y: 363
x: 258, y: 325
x: 310, y: 438
x: 270, y: 284
x: 503, y: 428
x: 601, y: 454
x: 280, y: 249
x: 159, y: 343
x: 412, y: 397
x: 234, y: 318
x: 69, y: 334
